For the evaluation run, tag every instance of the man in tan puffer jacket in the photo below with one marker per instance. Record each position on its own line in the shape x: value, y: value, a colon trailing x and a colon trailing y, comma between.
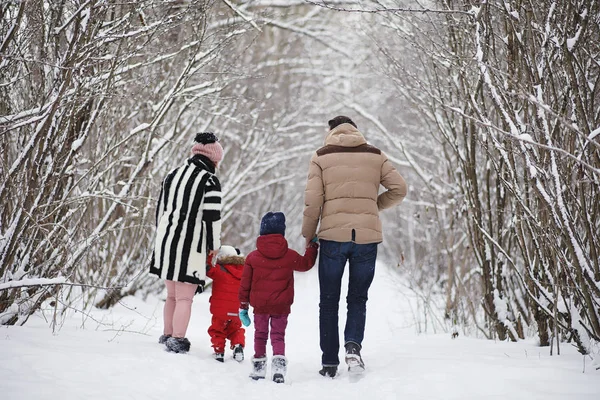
x: 342, y: 192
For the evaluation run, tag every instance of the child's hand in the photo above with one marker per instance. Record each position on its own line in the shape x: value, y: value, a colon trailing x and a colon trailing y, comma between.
x: 244, y: 317
x: 314, y: 242
x: 212, y: 256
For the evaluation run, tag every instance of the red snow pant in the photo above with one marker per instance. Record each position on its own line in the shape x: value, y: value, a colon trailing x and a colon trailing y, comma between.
x: 222, y: 329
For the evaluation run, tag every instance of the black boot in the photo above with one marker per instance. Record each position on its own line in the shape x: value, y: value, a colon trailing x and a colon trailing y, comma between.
x: 238, y: 353
x: 163, y: 339
x: 220, y: 357
x: 178, y: 345
x: 328, y: 371
x: 353, y: 358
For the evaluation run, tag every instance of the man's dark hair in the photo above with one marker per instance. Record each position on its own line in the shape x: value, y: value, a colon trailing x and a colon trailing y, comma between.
x: 340, y: 119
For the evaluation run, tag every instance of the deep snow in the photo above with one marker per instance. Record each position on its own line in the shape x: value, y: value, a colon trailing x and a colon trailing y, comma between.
x: 115, y: 355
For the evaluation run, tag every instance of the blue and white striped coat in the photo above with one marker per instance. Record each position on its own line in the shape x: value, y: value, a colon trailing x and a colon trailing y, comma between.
x: 188, y: 222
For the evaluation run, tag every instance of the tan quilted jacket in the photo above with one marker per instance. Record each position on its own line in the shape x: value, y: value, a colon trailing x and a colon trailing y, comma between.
x: 342, y: 189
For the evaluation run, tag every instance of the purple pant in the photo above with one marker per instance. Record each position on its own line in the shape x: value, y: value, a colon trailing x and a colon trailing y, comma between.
x: 261, y: 334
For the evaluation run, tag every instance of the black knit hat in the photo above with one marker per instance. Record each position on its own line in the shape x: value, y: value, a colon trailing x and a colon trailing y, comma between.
x: 272, y: 222
x: 340, y: 119
x: 206, y: 138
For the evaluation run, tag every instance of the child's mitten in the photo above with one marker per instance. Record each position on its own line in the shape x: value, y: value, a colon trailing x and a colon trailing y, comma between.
x: 244, y: 317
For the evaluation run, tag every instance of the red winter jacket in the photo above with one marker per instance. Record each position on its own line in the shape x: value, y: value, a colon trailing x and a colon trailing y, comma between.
x: 226, y: 275
x: 268, y: 279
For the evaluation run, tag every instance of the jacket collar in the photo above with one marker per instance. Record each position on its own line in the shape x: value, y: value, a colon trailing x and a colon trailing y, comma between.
x: 345, y: 135
x: 203, y: 162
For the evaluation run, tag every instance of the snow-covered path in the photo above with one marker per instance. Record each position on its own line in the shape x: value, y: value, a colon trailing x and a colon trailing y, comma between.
x: 121, y: 359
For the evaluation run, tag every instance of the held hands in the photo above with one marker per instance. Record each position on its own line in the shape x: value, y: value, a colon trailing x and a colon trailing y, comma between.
x: 212, y: 255
x: 314, y: 242
x: 244, y: 317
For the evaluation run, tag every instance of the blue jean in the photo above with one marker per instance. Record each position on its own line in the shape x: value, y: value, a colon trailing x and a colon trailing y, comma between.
x: 332, y: 262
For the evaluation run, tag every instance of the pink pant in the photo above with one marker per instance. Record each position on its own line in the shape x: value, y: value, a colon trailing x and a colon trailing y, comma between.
x: 178, y: 307
x: 261, y: 333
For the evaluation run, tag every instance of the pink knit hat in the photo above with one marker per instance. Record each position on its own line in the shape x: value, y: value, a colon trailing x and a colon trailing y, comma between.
x: 207, y: 144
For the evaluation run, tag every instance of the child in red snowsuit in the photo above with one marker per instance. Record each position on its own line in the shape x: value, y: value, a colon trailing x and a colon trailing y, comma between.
x: 224, y: 303
x: 268, y: 286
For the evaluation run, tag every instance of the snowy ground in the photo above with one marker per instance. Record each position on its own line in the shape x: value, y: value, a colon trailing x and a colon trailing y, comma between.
x: 121, y: 359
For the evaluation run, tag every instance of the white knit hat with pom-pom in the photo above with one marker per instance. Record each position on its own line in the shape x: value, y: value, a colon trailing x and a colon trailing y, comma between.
x: 228, y: 251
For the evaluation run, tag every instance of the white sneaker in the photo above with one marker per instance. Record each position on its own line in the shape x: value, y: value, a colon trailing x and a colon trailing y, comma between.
x: 353, y: 358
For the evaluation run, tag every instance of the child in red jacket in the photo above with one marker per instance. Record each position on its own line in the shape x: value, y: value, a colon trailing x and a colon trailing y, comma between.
x: 268, y: 286
x: 224, y: 303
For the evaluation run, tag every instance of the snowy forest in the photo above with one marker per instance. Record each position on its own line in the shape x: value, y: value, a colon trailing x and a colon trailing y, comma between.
x: 489, y: 109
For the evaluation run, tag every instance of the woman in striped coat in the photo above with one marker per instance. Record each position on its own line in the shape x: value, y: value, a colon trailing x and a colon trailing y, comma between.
x: 188, y: 229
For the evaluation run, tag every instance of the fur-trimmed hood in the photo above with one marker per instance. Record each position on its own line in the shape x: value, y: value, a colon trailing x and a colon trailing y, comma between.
x: 233, y: 260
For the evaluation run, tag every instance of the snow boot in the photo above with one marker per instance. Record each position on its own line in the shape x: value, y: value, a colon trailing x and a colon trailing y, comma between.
x: 259, y: 368
x: 238, y: 353
x: 178, y: 345
x: 220, y: 357
x: 279, y: 368
x: 329, y: 371
x: 219, y: 353
x: 163, y: 339
x: 353, y: 358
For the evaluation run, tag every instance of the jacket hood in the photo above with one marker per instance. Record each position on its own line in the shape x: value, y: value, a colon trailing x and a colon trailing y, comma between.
x: 345, y: 135
x: 234, y: 269
x: 272, y: 246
